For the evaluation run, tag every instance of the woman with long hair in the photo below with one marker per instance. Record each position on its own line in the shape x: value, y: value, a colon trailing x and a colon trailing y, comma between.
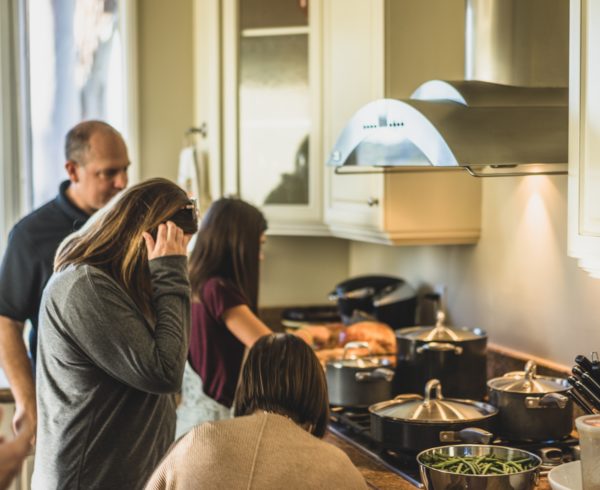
x: 224, y: 274
x: 114, y: 324
x: 274, y: 441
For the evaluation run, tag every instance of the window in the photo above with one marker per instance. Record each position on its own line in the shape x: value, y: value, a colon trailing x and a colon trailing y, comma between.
x: 62, y: 61
x: 76, y: 72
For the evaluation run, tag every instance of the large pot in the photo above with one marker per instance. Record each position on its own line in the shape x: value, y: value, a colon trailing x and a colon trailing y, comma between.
x: 455, y: 356
x: 358, y: 382
x: 532, y: 407
x: 412, y: 423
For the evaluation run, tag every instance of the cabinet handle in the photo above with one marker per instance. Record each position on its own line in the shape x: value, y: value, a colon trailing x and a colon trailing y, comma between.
x: 372, y: 201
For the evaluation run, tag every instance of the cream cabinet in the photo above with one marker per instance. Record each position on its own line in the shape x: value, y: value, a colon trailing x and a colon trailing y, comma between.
x: 387, y: 48
x: 259, y: 65
x: 584, y: 135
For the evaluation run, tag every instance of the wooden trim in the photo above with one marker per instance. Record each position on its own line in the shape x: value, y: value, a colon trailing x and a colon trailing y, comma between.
x: 523, y: 356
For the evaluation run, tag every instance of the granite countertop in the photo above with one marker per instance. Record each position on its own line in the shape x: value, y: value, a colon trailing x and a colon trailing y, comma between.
x: 377, y: 475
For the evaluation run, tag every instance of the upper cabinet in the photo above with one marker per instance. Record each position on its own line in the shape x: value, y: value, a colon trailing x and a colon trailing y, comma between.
x: 271, y: 111
x: 384, y: 48
x: 584, y: 135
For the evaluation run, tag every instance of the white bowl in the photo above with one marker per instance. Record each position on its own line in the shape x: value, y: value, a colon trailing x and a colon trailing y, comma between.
x: 566, y: 476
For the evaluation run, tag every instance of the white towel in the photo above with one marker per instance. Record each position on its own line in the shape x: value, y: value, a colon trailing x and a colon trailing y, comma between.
x: 188, y: 176
x: 193, y: 176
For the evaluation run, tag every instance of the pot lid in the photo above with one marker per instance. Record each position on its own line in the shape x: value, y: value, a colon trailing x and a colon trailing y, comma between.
x: 433, y: 407
x: 358, y: 362
x: 528, y: 382
x: 441, y: 333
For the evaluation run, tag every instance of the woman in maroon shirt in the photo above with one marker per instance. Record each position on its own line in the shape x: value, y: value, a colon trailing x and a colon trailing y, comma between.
x: 224, y: 273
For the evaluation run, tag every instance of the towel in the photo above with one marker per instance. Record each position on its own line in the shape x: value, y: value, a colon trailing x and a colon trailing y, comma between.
x: 193, y: 176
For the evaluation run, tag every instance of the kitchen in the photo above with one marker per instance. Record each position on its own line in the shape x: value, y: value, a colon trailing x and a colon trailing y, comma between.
x: 518, y: 282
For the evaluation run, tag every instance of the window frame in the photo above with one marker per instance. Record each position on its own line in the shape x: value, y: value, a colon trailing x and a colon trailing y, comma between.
x: 16, y: 183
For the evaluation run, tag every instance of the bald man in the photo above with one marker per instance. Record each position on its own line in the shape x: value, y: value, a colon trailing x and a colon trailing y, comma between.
x: 96, y: 165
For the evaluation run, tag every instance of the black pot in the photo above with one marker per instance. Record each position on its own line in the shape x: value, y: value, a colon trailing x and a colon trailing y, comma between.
x: 384, y: 298
x: 360, y: 382
x: 455, y: 356
x: 411, y: 423
x: 532, y: 407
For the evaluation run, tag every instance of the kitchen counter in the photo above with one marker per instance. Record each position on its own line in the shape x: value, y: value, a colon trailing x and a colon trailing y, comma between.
x: 377, y: 475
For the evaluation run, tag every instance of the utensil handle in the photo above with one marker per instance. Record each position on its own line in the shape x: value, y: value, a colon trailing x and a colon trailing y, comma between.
x: 585, y: 392
x: 587, y: 381
x: 583, y: 404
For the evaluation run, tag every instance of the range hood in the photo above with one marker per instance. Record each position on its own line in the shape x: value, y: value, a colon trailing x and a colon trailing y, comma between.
x: 498, y: 122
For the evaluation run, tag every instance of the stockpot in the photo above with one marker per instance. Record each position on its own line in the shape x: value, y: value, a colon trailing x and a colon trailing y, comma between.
x: 455, y: 356
x: 413, y: 423
x: 532, y: 407
x: 358, y: 382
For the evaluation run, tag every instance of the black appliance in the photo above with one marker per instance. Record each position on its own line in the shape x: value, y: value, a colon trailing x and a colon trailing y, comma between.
x: 387, y: 299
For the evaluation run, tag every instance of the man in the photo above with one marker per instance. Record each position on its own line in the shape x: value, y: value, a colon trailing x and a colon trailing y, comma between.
x: 96, y: 164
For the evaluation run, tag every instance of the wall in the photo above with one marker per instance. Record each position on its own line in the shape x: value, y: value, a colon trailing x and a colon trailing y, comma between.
x: 166, y: 83
x: 302, y: 270
x: 517, y: 282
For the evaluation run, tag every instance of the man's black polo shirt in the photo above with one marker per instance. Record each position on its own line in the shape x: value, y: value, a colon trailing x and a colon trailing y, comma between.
x: 28, y: 261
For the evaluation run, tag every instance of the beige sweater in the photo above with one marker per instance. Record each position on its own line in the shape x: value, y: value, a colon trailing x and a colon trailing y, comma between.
x: 260, y: 451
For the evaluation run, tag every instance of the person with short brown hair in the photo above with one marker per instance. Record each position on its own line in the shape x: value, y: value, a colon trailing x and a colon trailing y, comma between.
x: 281, y: 412
x: 113, y: 339
x: 96, y: 162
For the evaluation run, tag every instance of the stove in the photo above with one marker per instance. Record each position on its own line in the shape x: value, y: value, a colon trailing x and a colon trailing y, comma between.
x: 353, y: 426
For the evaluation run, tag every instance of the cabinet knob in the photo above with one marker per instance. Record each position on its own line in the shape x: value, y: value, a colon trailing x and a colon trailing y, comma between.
x: 372, y: 201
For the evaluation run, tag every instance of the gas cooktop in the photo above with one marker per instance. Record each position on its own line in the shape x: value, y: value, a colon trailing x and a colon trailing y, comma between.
x: 353, y: 426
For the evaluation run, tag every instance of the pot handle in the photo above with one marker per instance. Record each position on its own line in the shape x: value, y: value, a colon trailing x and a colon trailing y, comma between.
x: 470, y: 435
x: 356, y: 345
x: 549, y: 400
x: 440, y: 347
x: 433, y: 391
x: 379, y: 373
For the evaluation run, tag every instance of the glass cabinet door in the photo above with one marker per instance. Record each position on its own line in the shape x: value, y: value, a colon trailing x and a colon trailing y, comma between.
x: 274, y: 121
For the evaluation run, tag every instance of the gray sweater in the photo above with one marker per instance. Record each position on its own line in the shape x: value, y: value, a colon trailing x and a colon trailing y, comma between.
x: 105, y: 377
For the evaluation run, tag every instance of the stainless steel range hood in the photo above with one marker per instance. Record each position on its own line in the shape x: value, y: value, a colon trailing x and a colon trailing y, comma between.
x: 501, y: 121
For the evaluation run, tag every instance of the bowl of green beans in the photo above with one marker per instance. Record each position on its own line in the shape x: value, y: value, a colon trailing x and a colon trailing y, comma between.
x: 478, y: 467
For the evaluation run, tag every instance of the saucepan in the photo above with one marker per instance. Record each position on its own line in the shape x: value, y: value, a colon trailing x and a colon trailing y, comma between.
x: 412, y: 423
x: 358, y: 382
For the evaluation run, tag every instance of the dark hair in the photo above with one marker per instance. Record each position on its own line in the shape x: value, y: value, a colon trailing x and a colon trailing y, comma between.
x: 228, y: 246
x: 283, y: 375
x: 77, y: 141
x: 112, y: 240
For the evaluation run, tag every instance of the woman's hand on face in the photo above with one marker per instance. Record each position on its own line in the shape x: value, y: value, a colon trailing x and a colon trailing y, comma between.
x: 170, y: 240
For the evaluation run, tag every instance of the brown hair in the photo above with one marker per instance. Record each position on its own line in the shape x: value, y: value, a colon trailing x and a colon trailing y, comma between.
x: 112, y: 239
x: 77, y: 141
x: 283, y: 375
x: 228, y: 246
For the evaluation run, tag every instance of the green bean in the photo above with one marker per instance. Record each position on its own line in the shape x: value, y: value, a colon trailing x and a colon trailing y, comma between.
x: 477, y: 465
